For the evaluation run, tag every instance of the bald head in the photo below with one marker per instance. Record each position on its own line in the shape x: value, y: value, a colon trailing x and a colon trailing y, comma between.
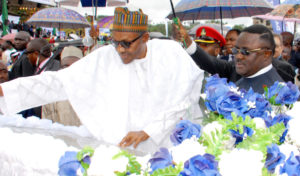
x: 40, y: 45
x: 22, y: 38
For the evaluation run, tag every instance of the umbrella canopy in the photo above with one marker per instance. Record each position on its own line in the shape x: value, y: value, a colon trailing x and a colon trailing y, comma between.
x: 47, y: 2
x: 92, y: 3
x: 58, y: 18
x: 106, y: 22
x: 283, y: 12
x: 10, y: 37
x: 217, y: 9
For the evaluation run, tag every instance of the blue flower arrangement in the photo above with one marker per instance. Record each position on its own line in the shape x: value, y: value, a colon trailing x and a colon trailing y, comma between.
x: 234, y: 130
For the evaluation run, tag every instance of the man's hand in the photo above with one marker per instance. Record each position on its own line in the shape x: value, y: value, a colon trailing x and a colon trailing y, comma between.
x: 133, y: 137
x: 180, y: 34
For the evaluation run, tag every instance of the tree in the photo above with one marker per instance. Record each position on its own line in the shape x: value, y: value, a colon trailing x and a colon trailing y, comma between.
x: 239, y: 26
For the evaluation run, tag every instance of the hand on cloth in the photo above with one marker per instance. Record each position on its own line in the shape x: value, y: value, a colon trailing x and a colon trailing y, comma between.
x: 180, y: 34
x: 133, y: 137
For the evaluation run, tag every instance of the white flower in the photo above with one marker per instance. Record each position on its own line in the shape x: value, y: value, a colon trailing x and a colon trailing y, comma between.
x: 251, y: 104
x: 103, y: 164
x: 187, y: 149
x: 286, y: 149
x: 294, y: 130
x: 241, y: 162
x: 212, y: 127
x: 235, y: 90
x: 260, y: 123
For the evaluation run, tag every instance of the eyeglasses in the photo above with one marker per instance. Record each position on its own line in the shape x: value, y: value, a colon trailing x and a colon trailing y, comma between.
x: 125, y: 44
x: 29, y: 52
x: 244, y: 51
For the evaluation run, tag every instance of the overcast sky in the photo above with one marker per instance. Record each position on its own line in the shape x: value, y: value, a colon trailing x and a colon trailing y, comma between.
x: 157, y: 10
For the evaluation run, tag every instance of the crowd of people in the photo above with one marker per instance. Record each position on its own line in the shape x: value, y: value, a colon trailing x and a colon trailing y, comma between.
x: 133, y: 91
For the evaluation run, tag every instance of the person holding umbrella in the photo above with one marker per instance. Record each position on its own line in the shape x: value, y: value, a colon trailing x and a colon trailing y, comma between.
x: 253, y: 53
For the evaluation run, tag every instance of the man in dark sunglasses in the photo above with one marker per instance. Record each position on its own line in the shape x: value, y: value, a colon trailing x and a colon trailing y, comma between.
x: 130, y: 93
x: 253, y: 54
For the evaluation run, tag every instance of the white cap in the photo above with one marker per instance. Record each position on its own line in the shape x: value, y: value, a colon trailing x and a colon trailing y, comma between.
x: 71, y: 51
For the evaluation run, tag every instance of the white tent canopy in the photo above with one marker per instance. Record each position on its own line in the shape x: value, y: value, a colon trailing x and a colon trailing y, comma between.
x: 47, y: 2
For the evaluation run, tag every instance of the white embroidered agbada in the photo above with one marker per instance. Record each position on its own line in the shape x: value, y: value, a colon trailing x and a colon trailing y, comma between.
x: 112, y: 98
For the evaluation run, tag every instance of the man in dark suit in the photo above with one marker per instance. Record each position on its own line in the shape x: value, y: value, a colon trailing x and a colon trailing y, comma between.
x: 253, y: 53
x: 39, y: 53
x: 22, y: 66
x: 284, y: 68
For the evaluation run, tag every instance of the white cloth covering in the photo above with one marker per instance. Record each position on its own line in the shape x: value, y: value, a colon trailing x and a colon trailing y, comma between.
x: 112, y: 98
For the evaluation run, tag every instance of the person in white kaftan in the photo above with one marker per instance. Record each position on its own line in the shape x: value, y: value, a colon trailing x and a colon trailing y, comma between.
x: 136, y: 87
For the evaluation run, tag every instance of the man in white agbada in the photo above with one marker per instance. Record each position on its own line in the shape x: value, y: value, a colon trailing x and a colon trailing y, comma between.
x: 136, y: 87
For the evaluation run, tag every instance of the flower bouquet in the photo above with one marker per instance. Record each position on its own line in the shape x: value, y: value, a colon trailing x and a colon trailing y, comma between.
x: 246, y: 134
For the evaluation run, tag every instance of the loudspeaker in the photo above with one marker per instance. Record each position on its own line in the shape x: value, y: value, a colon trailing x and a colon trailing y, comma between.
x: 38, y: 5
x: 20, y: 1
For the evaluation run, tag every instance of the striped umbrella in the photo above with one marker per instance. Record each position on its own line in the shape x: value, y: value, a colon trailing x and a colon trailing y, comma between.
x: 106, y: 22
x: 58, y: 18
x: 219, y: 9
x: 283, y: 12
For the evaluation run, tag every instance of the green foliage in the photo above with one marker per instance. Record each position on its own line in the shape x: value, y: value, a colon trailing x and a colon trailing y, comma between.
x: 266, y: 173
x: 263, y: 138
x: 214, y: 142
x: 86, y: 151
x: 168, y: 171
x: 237, y: 123
x: 211, y: 117
x: 160, y: 28
x: 132, y: 167
x: 239, y: 26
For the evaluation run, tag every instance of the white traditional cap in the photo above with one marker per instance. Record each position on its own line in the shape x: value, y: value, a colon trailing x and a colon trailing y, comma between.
x: 71, y: 51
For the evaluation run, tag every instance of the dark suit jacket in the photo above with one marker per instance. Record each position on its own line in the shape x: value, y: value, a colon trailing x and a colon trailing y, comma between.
x: 224, y: 68
x: 257, y: 83
x: 51, y: 65
x: 22, y: 67
x: 284, y: 69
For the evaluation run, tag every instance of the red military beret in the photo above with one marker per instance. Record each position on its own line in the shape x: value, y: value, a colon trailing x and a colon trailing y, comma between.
x: 206, y: 34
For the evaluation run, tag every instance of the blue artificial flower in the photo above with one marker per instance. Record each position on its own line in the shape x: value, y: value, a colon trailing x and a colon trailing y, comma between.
x: 288, y: 94
x: 231, y: 102
x: 292, y: 166
x: 201, y: 166
x: 68, y: 164
x: 281, y: 118
x: 282, y: 138
x: 214, y: 88
x: 240, y: 137
x: 185, y: 130
x: 261, y: 104
x: 161, y: 159
x: 274, y: 158
x: 273, y: 90
x: 283, y: 93
x: 214, y: 80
